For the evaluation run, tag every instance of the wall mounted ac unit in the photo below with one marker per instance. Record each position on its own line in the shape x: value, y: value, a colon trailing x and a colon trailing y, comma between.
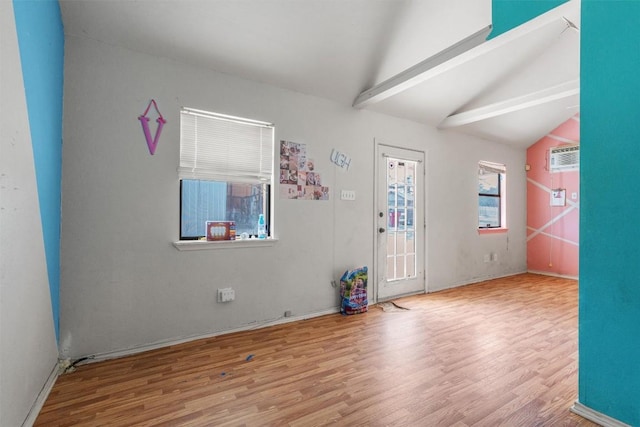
x: 564, y: 158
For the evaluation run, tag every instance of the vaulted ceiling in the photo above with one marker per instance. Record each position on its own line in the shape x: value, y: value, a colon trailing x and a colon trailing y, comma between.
x: 513, y: 88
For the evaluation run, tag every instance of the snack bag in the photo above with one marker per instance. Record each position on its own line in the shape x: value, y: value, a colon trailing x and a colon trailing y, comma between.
x: 353, y: 291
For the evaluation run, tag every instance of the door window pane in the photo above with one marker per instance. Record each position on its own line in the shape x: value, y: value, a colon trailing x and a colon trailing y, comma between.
x: 401, y: 244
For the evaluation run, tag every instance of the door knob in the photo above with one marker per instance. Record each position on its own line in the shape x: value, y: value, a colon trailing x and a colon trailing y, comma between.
x: 381, y: 230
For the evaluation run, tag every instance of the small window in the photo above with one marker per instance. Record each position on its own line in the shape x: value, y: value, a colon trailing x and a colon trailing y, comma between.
x: 226, y: 172
x: 491, y: 191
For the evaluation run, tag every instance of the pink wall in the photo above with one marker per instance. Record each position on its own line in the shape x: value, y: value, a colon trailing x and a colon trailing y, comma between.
x: 552, y: 231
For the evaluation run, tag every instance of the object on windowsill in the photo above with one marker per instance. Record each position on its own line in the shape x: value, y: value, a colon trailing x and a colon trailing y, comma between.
x: 221, y: 230
x: 262, y: 231
x: 152, y: 143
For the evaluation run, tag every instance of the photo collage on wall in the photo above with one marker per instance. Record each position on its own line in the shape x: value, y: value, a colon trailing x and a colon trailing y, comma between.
x: 298, y: 176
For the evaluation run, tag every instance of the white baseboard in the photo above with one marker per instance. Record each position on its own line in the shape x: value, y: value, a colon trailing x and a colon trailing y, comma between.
x: 160, y: 344
x: 41, y: 398
x: 595, y: 416
x: 547, y: 273
x: 474, y: 281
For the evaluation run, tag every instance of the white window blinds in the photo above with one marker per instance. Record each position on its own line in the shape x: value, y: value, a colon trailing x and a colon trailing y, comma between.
x: 224, y: 148
x: 489, y: 167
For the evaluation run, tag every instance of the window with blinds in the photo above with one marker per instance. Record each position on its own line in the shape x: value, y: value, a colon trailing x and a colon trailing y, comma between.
x: 491, y: 190
x: 225, y: 171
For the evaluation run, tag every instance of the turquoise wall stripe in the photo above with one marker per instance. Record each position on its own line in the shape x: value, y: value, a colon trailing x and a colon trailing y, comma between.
x: 609, y: 321
x: 508, y: 14
x: 41, y: 43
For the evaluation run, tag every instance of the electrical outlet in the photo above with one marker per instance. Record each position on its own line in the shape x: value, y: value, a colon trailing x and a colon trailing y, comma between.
x: 226, y: 295
x: 347, y: 195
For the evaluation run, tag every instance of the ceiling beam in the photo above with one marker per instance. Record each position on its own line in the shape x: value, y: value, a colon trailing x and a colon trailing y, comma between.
x: 553, y: 93
x: 416, y: 74
x: 466, y: 50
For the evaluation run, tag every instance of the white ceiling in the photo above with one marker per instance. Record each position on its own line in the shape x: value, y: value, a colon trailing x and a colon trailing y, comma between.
x: 337, y: 49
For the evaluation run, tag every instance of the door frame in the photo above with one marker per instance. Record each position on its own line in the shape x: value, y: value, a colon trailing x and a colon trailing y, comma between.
x: 379, y: 146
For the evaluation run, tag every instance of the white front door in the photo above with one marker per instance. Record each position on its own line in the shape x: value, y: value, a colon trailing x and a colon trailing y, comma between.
x: 400, y: 222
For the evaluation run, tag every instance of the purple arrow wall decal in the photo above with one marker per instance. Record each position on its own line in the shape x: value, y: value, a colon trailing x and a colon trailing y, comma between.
x: 152, y: 143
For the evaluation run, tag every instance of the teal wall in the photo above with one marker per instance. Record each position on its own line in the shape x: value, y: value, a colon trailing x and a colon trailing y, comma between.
x: 41, y: 43
x: 508, y: 14
x: 609, y: 325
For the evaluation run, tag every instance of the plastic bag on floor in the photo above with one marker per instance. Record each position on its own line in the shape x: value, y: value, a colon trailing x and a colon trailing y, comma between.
x: 353, y: 291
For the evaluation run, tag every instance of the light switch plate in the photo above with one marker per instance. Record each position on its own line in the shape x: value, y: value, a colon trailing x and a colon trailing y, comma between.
x: 347, y: 195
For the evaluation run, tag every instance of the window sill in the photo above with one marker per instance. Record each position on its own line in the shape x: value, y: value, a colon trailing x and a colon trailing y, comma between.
x: 201, y: 245
x: 482, y: 231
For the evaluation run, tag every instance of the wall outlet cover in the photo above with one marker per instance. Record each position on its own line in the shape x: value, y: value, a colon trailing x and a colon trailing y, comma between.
x: 226, y: 295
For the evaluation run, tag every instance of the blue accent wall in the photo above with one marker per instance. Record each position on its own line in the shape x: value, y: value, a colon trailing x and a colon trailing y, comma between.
x: 609, y: 321
x: 41, y: 43
x: 508, y: 14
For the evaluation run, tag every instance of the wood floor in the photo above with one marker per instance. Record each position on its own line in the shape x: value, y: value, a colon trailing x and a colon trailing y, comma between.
x: 498, y: 353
